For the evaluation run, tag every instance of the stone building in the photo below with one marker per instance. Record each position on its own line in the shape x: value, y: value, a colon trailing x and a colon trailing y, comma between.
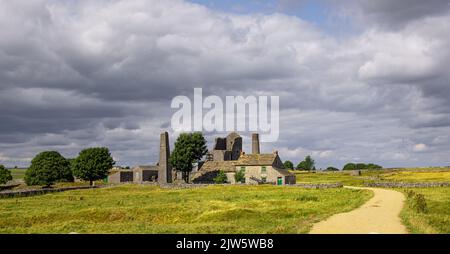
x: 161, y: 172
x: 258, y: 168
x: 263, y: 168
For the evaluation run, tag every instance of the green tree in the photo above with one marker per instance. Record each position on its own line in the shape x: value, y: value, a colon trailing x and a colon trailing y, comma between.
x: 361, y: 166
x: 307, y: 164
x: 189, y: 149
x: 373, y: 166
x: 349, y: 166
x: 47, y: 168
x: 331, y: 169
x: 288, y: 165
x: 239, y: 177
x: 93, y: 164
x: 5, y: 175
x: 221, y: 177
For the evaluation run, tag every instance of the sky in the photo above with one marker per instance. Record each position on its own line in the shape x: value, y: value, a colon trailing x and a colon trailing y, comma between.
x: 358, y: 81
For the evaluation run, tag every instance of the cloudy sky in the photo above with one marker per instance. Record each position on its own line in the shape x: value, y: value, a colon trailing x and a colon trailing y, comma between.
x: 363, y: 81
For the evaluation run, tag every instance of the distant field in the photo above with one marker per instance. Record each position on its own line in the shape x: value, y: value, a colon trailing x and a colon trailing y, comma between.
x: 150, y: 209
x: 384, y: 175
x: 436, y: 219
x: 18, y: 173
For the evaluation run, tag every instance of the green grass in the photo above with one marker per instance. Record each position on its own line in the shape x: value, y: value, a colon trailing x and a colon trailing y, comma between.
x: 384, y: 175
x: 18, y: 173
x: 437, y: 217
x: 150, y: 209
x: 329, y: 177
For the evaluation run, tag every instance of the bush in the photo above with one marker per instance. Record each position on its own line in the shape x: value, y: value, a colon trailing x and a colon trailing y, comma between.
x: 221, y: 177
x: 417, y: 201
x: 47, y: 168
x: 353, y: 166
x: 239, y: 177
x: 93, y: 164
x: 307, y: 164
x: 5, y: 175
x: 288, y: 165
x: 349, y: 166
x: 331, y: 169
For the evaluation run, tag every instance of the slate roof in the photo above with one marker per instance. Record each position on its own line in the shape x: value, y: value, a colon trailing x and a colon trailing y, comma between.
x: 256, y: 159
x: 227, y: 166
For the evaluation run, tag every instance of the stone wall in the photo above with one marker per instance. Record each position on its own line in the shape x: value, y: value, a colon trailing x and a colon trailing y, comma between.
x: 317, y: 185
x: 407, y: 185
x: 34, y: 192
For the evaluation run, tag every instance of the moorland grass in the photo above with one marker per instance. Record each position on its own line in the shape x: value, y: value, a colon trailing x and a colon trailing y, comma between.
x: 436, y: 219
x: 150, y: 209
x: 382, y: 175
x: 18, y: 173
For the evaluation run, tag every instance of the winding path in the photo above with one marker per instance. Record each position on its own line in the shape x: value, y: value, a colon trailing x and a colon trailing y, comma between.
x: 378, y: 215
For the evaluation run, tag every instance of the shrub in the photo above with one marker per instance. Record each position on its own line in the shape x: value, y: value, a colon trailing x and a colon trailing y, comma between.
x: 221, y: 177
x: 5, y: 175
x: 419, y: 203
x: 239, y: 177
x: 288, y: 165
x: 93, y: 164
x: 47, y: 168
x: 331, y: 169
x: 353, y: 166
x: 307, y: 164
x: 349, y: 166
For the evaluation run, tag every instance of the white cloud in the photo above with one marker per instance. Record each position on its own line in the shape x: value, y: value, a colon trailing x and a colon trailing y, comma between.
x: 420, y: 147
x: 103, y: 72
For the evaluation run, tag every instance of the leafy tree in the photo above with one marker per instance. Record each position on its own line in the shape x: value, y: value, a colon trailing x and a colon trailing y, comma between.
x: 221, y: 177
x: 307, y: 164
x: 93, y: 164
x: 331, y: 169
x: 373, y: 166
x: 358, y: 166
x: 349, y: 166
x: 189, y: 149
x: 47, y: 168
x: 288, y: 165
x: 5, y: 175
x: 239, y: 177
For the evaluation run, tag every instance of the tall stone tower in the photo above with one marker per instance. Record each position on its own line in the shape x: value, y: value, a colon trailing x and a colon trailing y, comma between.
x: 165, y: 170
x: 255, y: 143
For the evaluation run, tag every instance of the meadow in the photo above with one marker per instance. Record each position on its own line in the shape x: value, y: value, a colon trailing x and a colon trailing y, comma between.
x: 18, y: 173
x: 383, y: 175
x: 436, y: 218
x: 150, y: 209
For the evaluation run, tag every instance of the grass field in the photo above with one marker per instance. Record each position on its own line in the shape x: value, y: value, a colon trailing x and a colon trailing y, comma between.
x: 437, y: 217
x: 18, y: 173
x: 150, y: 209
x: 384, y: 175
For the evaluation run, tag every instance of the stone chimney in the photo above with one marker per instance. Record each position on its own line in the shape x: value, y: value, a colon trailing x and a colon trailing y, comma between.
x: 165, y: 170
x: 255, y: 143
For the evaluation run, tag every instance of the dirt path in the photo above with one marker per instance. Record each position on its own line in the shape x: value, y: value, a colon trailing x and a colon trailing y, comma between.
x: 378, y: 215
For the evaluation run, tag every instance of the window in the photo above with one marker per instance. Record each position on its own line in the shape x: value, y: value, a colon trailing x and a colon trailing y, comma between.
x: 264, y: 179
x: 263, y: 169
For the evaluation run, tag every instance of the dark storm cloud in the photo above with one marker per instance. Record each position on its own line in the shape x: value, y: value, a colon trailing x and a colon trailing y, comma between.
x: 395, y: 14
x: 90, y: 73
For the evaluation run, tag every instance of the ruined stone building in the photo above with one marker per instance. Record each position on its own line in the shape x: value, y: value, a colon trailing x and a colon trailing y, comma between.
x: 227, y: 156
x: 161, y: 172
